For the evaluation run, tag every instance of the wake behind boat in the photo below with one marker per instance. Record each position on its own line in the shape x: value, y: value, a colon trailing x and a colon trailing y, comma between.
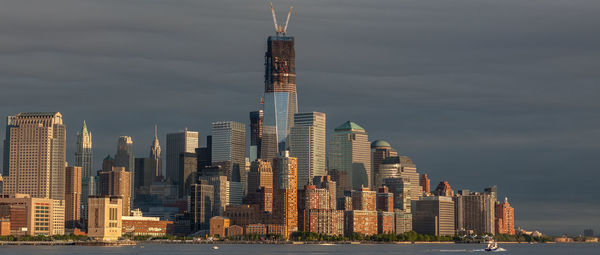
x: 493, y: 246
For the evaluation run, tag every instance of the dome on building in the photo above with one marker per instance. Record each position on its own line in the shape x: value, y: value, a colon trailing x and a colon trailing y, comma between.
x: 380, y: 143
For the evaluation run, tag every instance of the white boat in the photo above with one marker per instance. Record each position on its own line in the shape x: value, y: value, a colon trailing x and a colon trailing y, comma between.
x: 492, y: 246
x: 215, y: 247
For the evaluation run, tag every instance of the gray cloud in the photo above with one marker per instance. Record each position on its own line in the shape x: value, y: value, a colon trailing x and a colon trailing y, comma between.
x: 477, y: 92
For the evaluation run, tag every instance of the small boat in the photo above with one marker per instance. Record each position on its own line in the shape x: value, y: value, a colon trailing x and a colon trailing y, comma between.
x: 492, y: 246
x: 215, y: 247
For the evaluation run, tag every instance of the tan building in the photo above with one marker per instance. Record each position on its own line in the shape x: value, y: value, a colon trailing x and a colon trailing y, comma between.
x: 116, y: 182
x: 350, y: 151
x: 218, y: 226
x: 33, y: 216
x: 307, y: 144
x: 285, y: 206
x: 105, y: 217
x: 5, y: 227
x: 37, y: 156
x: 72, y: 196
x: 324, y: 221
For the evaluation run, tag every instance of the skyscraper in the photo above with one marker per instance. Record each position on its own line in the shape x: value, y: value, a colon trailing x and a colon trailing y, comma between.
x: 72, y: 196
x: 280, y: 99
x: 402, y: 167
x: 187, y: 174
x: 116, y: 182
x: 84, y: 158
x: 256, y: 132
x: 307, y: 144
x: 229, y: 148
x: 349, y: 151
x: 37, y: 156
x: 505, y: 218
x: 425, y: 183
x: 285, y: 182
x: 178, y: 143
x: 201, y: 204
x: 434, y: 216
x: 380, y: 150
x: 155, y: 164
x: 475, y: 211
x: 10, y: 121
x: 125, y: 158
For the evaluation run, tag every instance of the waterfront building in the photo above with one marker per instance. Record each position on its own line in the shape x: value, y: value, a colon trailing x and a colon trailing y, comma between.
x: 37, y: 146
x: 505, y: 218
x: 201, y: 205
x: 187, y: 173
x: 307, y: 144
x: 178, y: 143
x: 116, y: 182
x: 359, y: 221
x: 229, y: 149
x: 105, y: 217
x: 244, y: 215
x: 260, y: 175
x: 403, y: 221
x: 475, y: 212
x: 425, y: 184
x: 73, y: 196
x: 401, y: 167
x: 434, y: 216
x: 256, y: 127
x: 33, y: 216
x: 380, y: 150
x: 138, y: 225
x: 280, y: 98
x: 84, y: 158
x: 386, y: 222
x: 285, y: 189
x: 444, y: 189
x: 349, y: 151
x: 324, y: 221
x: 219, y: 225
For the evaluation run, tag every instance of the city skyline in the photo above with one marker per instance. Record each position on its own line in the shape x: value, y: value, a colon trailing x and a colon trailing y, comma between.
x: 469, y: 128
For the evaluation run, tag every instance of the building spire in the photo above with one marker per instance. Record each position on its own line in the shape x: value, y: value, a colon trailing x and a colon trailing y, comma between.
x: 155, y: 131
x: 84, y: 128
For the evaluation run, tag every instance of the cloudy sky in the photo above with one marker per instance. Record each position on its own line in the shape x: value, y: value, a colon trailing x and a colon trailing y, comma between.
x: 476, y: 92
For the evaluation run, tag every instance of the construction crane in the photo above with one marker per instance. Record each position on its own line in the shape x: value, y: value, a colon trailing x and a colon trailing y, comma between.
x: 280, y: 30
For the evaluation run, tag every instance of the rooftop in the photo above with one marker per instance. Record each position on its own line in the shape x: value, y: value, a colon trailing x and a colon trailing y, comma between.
x: 349, y: 126
x: 380, y: 143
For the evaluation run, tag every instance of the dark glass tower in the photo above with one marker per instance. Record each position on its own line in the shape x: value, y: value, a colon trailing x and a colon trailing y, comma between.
x: 281, y: 101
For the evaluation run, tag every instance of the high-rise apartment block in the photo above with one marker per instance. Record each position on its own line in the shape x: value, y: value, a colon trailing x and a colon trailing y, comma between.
x: 349, y: 151
x: 434, y: 216
x: 307, y: 144
x: 37, y: 156
x: 178, y: 143
x: 73, y: 197
x: 105, y: 217
x: 116, y: 182
x: 475, y: 212
x: 505, y: 218
x: 380, y: 150
x: 385, y: 200
x: 285, y: 189
x: 364, y: 199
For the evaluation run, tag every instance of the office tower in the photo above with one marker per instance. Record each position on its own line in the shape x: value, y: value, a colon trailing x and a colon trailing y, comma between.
x: 116, y: 182
x: 444, y: 189
x: 124, y: 158
x: 72, y: 196
x: 401, y: 167
x: 425, y: 184
x: 155, y: 164
x: 205, y: 154
x: 229, y: 148
x: 401, y: 189
x: 505, y: 218
x: 188, y: 168
x: 307, y: 144
x: 380, y: 150
x: 434, y: 216
x: 385, y: 200
x: 475, y: 212
x: 37, y: 156
x: 178, y: 143
x: 364, y: 200
x: 33, y: 216
x: 84, y: 158
x: 260, y: 175
x: 140, y: 173
x: 256, y: 127
x: 342, y: 180
x: 349, y: 151
x: 221, y: 191
x: 285, y: 181
x: 280, y: 98
x: 201, y: 204
x: 10, y: 122
x: 104, y: 221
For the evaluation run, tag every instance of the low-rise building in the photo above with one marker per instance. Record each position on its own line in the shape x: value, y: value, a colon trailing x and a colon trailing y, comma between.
x: 139, y: 225
x: 104, y: 217
x: 219, y: 225
x: 33, y: 216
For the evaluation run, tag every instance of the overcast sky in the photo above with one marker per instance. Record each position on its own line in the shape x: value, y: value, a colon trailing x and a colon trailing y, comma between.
x: 476, y: 92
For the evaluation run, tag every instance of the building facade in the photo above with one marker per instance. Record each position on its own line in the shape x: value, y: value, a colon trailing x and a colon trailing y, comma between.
x: 33, y: 216
x: 105, y: 217
x: 380, y: 150
x: 434, y: 216
x: 505, y: 218
x: 116, y: 182
x: 307, y: 143
x: 124, y: 158
x: 349, y: 151
x: 229, y: 149
x: 178, y: 143
x: 402, y: 167
x: 285, y: 189
x: 475, y: 212
x: 201, y: 205
x: 84, y: 158
x: 73, y: 196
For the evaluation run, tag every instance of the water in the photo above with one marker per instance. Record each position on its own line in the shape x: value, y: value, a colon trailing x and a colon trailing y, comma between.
x: 257, y: 249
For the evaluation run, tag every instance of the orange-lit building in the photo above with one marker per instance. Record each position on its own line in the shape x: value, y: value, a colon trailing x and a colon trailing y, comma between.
x: 385, y: 200
x: 219, y: 225
x: 244, y: 215
x: 385, y: 222
x: 358, y: 221
x: 4, y: 227
x: 425, y: 183
x: 285, y: 181
x: 364, y: 200
x: 72, y: 196
x: 505, y: 218
x: 444, y: 189
x: 33, y: 216
x: 145, y: 226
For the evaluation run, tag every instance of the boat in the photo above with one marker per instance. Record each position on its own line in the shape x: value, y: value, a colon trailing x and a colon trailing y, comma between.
x: 215, y: 247
x: 492, y: 246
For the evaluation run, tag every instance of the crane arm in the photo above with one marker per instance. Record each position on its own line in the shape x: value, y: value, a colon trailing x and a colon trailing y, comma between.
x: 288, y: 19
x: 274, y: 17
